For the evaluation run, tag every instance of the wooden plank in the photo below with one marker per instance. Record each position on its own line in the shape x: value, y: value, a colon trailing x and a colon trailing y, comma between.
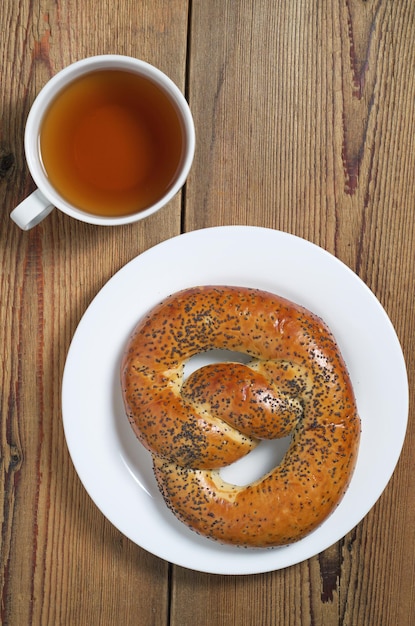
x: 61, y: 561
x: 305, y: 122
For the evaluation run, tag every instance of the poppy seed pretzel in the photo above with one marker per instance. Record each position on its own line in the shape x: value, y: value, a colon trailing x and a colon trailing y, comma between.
x: 296, y: 383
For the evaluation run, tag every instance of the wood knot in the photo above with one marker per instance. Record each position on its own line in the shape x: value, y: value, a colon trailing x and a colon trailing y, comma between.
x: 16, y: 458
x: 6, y: 162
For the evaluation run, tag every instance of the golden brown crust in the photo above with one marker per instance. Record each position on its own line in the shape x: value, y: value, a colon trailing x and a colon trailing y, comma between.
x: 297, y: 382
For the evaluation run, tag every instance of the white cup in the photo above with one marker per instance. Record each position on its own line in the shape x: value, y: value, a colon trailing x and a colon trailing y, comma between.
x: 41, y: 202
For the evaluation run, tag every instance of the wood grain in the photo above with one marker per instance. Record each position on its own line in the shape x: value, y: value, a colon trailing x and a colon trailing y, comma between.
x: 306, y: 122
x: 61, y: 561
x: 305, y: 117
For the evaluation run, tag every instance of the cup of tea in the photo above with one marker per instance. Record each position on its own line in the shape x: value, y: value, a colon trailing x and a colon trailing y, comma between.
x: 109, y: 140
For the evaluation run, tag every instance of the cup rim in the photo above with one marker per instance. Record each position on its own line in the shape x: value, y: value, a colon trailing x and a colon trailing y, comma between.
x: 52, y: 88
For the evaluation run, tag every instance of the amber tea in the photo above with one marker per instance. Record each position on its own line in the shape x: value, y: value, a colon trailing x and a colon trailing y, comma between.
x: 111, y: 143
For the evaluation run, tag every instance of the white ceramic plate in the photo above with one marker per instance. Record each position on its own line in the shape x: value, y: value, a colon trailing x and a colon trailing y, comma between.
x: 115, y: 469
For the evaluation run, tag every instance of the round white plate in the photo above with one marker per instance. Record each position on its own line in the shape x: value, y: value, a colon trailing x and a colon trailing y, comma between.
x: 116, y: 470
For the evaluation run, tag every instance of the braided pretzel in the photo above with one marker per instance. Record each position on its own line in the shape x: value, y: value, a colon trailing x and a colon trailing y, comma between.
x: 296, y: 383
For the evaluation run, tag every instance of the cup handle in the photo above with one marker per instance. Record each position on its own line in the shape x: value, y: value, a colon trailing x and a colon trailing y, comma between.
x: 31, y: 210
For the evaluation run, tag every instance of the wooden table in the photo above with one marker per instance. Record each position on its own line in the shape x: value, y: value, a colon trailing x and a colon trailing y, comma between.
x: 304, y: 114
